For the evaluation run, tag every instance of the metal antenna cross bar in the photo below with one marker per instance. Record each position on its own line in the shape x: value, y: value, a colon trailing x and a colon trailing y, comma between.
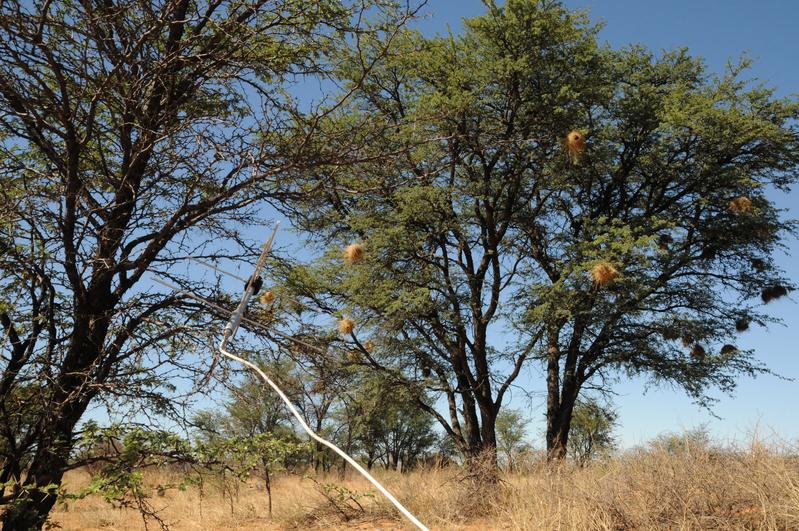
x: 247, y: 320
x: 216, y: 268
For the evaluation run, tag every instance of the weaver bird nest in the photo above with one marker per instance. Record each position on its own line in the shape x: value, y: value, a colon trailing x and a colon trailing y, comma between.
x: 575, y: 144
x: 772, y: 293
x: 346, y: 326
x: 604, y: 273
x: 742, y: 324
x: 741, y: 205
x: 267, y: 298
x: 664, y: 241
x: 698, y: 352
x: 728, y: 349
x: 353, y: 253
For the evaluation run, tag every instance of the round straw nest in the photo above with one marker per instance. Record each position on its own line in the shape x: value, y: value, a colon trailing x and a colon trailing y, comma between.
x: 346, y: 326
x: 604, y: 273
x: 728, y: 349
x: 575, y: 142
x: 742, y: 324
x: 687, y: 340
x: 267, y: 298
x: 353, y: 253
x: 758, y: 264
x: 369, y: 345
x: 741, y: 205
x: 670, y: 334
x: 664, y: 241
x: 698, y: 352
x: 772, y: 293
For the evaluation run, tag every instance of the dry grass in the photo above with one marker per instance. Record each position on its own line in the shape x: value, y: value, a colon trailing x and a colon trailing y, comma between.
x: 755, y: 488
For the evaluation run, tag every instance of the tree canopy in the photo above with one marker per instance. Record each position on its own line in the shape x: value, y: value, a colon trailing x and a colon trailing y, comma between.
x: 603, y: 213
x: 133, y: 135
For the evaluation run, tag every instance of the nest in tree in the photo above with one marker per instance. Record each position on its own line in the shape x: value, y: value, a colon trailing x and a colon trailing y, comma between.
x: 368, y: 345
x: 741, y: 205
x: 742, y: 324
x: 758, y: 264
x: 708, y: 253
x: 604, y: 273
x: 346, y: 326
x: 353, y: 253
x: 773, y: 293
x: 267, y: 316
x: 664, y: 241
x: 575, y: 145
x: 426, y: 371
x: 687, y: 340
x: 575, y: 142
x: 728, y: 349
x: 267, y: 298
x: 698, y: 352
x: 670, y: 334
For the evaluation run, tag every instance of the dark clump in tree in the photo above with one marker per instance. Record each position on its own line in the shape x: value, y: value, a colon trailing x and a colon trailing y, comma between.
x: 480, y: 223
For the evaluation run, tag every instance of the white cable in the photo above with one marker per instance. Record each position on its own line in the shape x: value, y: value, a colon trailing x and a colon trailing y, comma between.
x: 319, y: 439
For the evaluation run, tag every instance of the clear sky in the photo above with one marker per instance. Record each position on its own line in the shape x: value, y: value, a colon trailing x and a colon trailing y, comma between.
x: 717, y: 30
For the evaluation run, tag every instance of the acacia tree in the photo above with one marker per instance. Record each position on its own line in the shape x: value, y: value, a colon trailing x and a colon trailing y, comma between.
x: 254, y: 430
x: 385, y: 421
x: 511, y: 435
x: 602, y: 211
x: 133, y: 134
x: 591, y: 432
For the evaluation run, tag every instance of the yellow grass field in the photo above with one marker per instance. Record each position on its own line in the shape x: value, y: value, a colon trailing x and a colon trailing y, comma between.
x: 701, y: 489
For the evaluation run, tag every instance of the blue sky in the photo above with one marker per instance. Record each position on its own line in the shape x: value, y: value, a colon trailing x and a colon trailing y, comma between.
x: 718, y: 31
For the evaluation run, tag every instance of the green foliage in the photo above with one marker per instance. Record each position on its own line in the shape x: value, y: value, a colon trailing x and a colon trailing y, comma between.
x: 120, y: 455
x: 384, y: 422
x: 481, y: 221
x: 133, y: 135
x: 696, y: 439
x: 591, y: 433
x: 511, y: 435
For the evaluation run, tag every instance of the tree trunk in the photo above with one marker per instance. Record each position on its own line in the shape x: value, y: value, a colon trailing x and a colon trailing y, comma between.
x: 69, y: 401
x: 561, y: 397
x: 268, y: 483
x: 30, y: 510
x: 559, y: 423
x: 557, y: 442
